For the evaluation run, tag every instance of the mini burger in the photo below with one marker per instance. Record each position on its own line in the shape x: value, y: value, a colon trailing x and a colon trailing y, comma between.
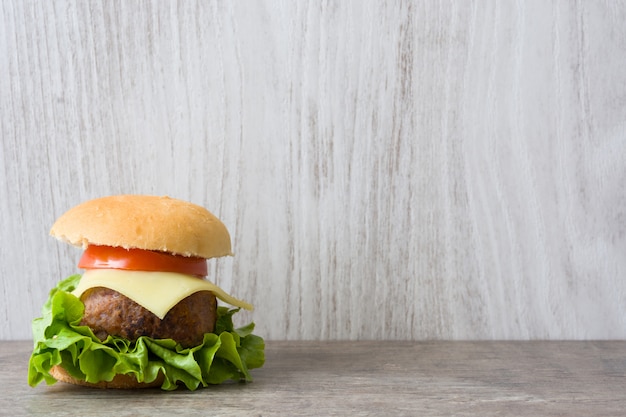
x: 143, y: 313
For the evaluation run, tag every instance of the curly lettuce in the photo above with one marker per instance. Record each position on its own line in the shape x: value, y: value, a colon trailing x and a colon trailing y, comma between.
x: 226, y: 354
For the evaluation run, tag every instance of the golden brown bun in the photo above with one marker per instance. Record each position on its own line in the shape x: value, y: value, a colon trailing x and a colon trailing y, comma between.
x: 145, y: 222
x: 118, y: 382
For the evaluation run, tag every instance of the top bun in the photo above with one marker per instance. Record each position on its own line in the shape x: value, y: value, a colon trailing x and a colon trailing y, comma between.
x: 145, y: 222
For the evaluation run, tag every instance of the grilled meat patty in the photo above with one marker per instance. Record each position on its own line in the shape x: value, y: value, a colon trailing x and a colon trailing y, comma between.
x: 107, y: 312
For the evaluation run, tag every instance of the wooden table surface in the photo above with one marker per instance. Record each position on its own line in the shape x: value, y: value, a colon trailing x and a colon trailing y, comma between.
x: 364, y: 378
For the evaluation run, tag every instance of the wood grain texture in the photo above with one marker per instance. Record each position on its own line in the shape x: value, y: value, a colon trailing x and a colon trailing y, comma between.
x: 388, y: 170
x: 366, y: 379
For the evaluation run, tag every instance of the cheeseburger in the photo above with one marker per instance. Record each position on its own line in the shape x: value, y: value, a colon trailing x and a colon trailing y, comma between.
x: 142, y: 314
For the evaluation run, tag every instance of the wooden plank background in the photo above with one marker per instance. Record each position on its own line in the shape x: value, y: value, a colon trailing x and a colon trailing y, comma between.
x: 387, y: 169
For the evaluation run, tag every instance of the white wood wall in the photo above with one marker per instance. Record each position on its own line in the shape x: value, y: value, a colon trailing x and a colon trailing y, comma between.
x: 387, y: 169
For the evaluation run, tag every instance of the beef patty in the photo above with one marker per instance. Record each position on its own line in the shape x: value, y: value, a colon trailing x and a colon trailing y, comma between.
x: 107, y: 312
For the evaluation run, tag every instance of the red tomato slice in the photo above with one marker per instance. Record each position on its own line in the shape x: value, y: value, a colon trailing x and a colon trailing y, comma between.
x: 109, y: 257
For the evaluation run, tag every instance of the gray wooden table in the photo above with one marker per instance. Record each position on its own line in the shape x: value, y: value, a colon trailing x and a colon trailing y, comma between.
x: 364, y: 378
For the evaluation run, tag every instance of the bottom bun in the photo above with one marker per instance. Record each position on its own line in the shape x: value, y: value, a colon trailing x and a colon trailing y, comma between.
x: 119, y: 381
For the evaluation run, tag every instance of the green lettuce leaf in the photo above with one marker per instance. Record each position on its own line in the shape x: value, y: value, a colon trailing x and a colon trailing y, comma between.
x: 226, y: 354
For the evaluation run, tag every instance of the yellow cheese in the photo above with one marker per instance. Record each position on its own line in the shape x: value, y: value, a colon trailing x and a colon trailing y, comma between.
x: 155, y: 291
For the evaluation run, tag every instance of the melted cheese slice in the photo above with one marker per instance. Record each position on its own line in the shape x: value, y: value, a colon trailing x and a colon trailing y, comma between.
x: 155, y: 291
